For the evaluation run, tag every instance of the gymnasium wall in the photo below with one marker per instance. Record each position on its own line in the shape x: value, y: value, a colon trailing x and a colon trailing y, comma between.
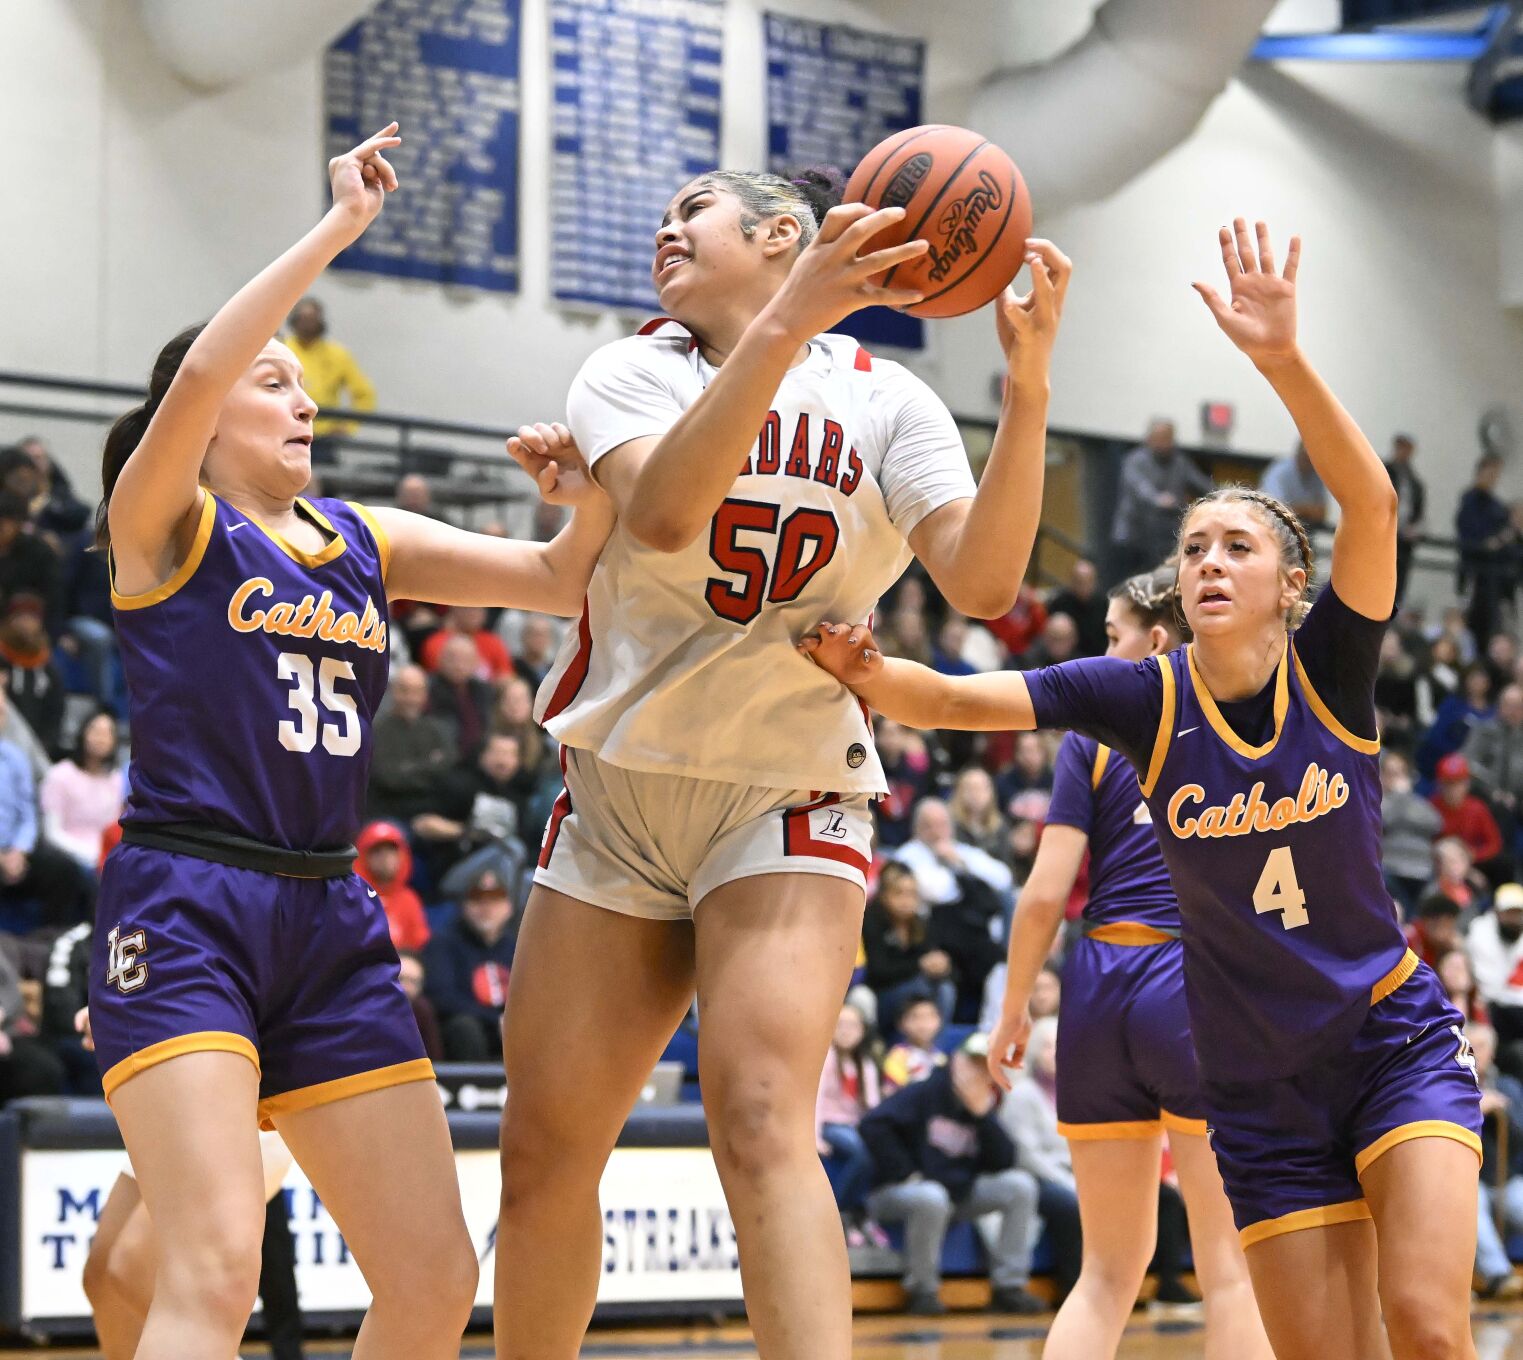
x: 134, y: 204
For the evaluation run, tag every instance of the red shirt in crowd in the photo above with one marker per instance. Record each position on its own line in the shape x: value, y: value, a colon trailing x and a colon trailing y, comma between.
x: 1472, y: 822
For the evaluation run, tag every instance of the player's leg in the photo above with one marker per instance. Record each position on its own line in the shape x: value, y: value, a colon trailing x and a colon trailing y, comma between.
x: 1233, y: 1328
x: 119, y: 1271
x: 774, y: 958
x: 595, y: 997
x: 189, y: 1123
x: 382, y: 1164
x: 1423, y: 1195
x: 1118, y: 1211
x: 1317, y: 1292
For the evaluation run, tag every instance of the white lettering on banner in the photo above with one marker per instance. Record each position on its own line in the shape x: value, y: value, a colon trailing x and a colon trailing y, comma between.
x: 667, y: 1237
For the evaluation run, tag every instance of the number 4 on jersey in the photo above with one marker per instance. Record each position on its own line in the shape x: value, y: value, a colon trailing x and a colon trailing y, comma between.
x: 1277, y: 890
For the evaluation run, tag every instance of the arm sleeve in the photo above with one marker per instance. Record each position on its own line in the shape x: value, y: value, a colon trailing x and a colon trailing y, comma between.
x: 621, y: 394
x: 1114, y: 701
x: 1340, y: 653
x: 1073, y: 795
x: 924, y: 464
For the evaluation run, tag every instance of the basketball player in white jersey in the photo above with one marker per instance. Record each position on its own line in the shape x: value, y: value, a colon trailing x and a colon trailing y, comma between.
x: 715, y: 829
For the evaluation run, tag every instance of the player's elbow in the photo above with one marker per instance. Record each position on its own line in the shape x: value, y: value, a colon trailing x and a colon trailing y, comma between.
x: 658, y: 530
x: 983, y: 599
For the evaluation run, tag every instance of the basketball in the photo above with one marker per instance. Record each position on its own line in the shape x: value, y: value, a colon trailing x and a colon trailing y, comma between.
x: 962, y: 194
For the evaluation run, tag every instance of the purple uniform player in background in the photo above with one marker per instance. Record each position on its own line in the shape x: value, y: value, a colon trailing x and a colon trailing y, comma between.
x: 1126, y: 1063
x: 242, y: 973
x: 1340, y: 1091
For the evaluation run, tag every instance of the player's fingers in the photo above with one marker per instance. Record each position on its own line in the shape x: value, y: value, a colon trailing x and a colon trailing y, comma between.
x: 892, y: 297
x: 1212, y: 299
x: 1229, y: 253
x: 808, y: 643
x: 562, y: 433
x: 549, y: 476
x: 1293, y: 258
x: 1043, y: 291
x: 534, y: 439
x: 870, y: 658
x: 1266, y: 250
x: 370, y: 174
x: 865, y: 228
x: 388, y: 175
x: 839, y: 218
x: 1245, y: 251
x: 880, y: 260
x: 377, y: 141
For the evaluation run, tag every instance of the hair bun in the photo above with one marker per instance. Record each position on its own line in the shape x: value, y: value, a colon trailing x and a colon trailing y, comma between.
x: 820, y: 185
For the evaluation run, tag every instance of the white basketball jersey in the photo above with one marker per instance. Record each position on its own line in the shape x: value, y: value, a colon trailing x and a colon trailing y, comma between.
x: 684, y: 663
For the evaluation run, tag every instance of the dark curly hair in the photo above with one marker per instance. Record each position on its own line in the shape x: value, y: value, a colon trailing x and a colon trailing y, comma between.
x: 808, y: 194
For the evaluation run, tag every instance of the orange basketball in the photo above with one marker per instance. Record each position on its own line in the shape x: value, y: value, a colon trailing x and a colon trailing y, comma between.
x: 963, y: 195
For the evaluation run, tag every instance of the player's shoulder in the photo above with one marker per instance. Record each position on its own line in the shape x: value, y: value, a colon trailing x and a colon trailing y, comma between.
x: 663, y: 351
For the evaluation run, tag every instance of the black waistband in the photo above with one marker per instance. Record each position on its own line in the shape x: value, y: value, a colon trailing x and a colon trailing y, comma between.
x: 240, y: 852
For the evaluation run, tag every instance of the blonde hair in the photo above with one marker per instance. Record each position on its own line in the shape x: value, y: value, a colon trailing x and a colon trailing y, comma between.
x: 1289, y: 534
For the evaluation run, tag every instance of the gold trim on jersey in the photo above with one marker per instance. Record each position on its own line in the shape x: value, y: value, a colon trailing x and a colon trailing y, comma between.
x: 1165, y: 726
x: 1102, y: 759
x: 1322, y: 1216
x: 203, y: 1041
x: 382, y: 538
x: 1392, y: 980
x: 1134, y: 934
x: 1177, y: 1123
x: 1220, y: 725
x: 182, y: 573
x: 1325, y: 714
x: 334, y: 548
x: 326, y: 1092
x: 1405, y: 1133
x: 1120, y: 1128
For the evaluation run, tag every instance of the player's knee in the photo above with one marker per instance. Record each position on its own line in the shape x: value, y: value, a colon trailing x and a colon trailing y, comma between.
x: 219, y: 1273
x: 97, y: 1277
x: 538, y: 1146
x: 434, y: 1283
x: 1420, y: 1326
x: 751, y: 1128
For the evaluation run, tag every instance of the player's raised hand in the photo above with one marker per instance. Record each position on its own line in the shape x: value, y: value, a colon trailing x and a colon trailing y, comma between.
x: 837, y: 274
x: 549, y: 454
x: 848, y: 651
x: 362, y: 178
x: 1007, y: 1045
x: 1260, y: 317
x: 1027, y: 326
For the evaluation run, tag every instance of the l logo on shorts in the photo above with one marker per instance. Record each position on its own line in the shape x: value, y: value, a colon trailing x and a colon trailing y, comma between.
x: 836, y: 826
x: 123, y: 971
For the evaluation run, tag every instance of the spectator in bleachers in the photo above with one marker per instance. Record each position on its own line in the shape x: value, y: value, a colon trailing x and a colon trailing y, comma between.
x: 1494, y: 942
x: 1059, y: 642
x: 65, y: 991
x: 1411, y: 824
x: 56, y: 511
x: 1018, y: 629
x: 458, y: 694
x: 412, y: 977
x: 89, y: 637
x: 916, y: 1055
x: 475, y: 805
x: 514, y: 716
x: 849, y: 1087
x: 415, y: 494
x: 1294, y: 482
x: 1483, y: 525
x: 28, y: 1067
x: 331, y: 376
x: 1452, y: 625
x: 1085, y: 603
x: 1029, y: 772
x: 1157, y: 483
x: 947, y: 655
x: 1501, y: 1112
x: 385, y: 862
x: 976, y: 818
x: 1455, y: 717
x: 1456, y: 877
x: 939, y: 1153
x: 905, y: 957
x: 1046, y: 992
x: 32, y: 678
x: 469, y: 621
x: 907, y: 770
x: 1458, y: 978
x: 908, y: 634
x: 1467, y: 818
x: 411, y: 750
x: 1494, y: 750
x: 1501, y: 660
x: 1433, y: 929
x: 1411, y: 505
x: 28, y: 566
x: 466, y: 969
x: 84, y: 793
x: 1029, y: 1112
x: 1438, y: 677
x: 1396, y: 692
x: 537, y: 645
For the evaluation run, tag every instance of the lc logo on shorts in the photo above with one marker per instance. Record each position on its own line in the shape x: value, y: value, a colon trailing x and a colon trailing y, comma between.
x: 123, y: 971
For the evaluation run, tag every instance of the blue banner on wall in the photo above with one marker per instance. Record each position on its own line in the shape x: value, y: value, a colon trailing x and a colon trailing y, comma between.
x: 636, y: 115
x: 834, y: 93
x: 448, y: 72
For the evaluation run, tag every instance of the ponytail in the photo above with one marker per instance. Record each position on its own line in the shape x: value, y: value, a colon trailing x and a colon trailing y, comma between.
x: 128, y: 431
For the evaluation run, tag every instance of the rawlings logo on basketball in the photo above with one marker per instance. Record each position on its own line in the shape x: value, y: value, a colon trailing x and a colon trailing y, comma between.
x: 906, y: 180
x: 959, y: 226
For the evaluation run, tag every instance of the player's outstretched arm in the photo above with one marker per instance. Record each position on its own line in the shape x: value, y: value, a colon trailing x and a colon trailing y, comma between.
x: 977, y: 550
x: 445, y: 565
x: 158, y: 490
x: 913, y: 694
x: 667, y: 489
x: 1260, y: 319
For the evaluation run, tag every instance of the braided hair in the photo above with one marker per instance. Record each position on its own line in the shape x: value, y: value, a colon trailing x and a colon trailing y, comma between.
x: 1153, y: 598
x: 805, y: 194
x: 128, y: 431
x: 1289, y: 533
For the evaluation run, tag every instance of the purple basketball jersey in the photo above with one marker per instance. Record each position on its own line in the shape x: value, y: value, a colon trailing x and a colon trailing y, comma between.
x: 253, y: 675
x: 1095, y: 789
x: 1274, y: 852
